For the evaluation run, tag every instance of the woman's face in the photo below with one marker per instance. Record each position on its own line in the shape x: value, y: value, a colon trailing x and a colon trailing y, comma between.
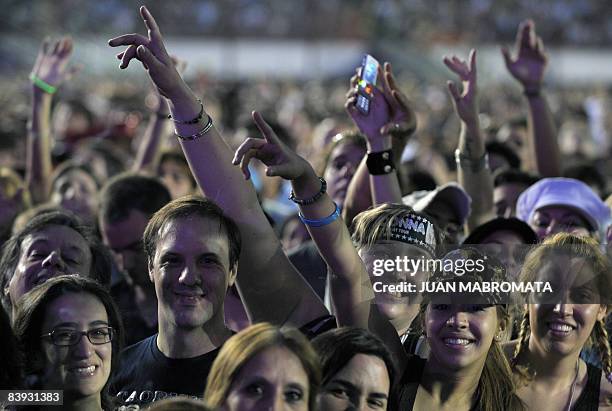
x: 562, y: 323
x: 82, y: 369
x: 343, y: 162
x: 460, y: 335
x: 363, y: 383
x: 558, y: 219
x: 389, y: 263
x: 274, y: 379
x: 76, y: 191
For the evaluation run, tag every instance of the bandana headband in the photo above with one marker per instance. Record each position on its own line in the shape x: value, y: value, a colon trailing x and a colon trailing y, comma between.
x: 415, y: 230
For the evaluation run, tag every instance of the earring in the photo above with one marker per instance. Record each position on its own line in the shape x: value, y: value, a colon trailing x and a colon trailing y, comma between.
x: 498, y: 338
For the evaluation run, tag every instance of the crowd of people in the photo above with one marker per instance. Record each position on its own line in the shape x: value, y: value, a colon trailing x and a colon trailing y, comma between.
x: 243, y: 271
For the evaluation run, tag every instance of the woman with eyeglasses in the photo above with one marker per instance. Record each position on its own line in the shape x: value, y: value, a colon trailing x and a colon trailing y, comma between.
x: 70, y: 331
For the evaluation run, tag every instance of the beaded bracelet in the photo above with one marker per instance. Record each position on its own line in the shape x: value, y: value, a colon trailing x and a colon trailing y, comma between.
x: 193, y: 121
x: 323, y: 221
x: 314, y: 198
x: 199, y: 134
x: 41, y: 84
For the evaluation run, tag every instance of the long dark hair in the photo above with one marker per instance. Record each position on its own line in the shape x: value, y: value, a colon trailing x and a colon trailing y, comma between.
x: 30, y: 315
x: 338, y: 346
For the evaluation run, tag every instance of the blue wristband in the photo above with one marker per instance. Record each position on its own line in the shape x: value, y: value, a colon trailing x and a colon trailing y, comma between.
x: 323, y: 221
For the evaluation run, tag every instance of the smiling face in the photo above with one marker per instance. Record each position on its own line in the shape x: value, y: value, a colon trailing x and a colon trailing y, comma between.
x: 394, y: 305
x: 460, y: 336
x: 563, y: 326
x: 274, y: 379
x: 363, y: 383
x: 81, y: 370
x: 191, y: 272
x: 558, y: 219
x: 47, y: 253
x: 343, y: 162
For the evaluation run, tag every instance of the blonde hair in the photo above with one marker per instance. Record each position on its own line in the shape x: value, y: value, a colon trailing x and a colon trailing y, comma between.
x: 244, y: 346
x: 375, y: 224
x: 576, y: 246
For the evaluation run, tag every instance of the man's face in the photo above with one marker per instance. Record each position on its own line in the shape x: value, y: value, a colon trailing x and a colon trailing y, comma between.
x: 54, y: 250
x: 191, y: 272
x: 124, y: 238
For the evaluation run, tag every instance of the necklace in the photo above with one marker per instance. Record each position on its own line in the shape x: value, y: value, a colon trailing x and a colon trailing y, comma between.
x: 569, y: 406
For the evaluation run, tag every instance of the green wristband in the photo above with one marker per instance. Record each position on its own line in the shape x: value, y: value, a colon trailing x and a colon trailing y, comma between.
x: 43, y: 85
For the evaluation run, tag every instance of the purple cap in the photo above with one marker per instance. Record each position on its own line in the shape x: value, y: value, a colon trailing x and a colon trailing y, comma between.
x: 564, y: 192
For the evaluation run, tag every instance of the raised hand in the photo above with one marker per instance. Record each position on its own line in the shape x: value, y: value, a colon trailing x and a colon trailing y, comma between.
x: 530, y: 62
x: 402, y: 117
x: 465, y: 102
x: 51, y: 64
x: 379, y: 114
x: 280, y: 160
x: 151, y: 52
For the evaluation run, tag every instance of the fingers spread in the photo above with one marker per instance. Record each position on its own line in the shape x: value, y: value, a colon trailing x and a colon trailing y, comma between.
x: 127, y: 56
x: 452, y: 88
x: 128, y: 40
x: 265, y: 129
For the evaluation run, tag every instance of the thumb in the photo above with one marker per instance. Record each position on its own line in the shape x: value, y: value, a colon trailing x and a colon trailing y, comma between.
x: 452, y: 88
x: 506, y: 54
x: 281, y: 170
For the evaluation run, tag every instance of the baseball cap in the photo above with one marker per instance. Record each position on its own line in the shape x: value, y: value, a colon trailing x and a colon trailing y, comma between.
x: 451, y: 193
x: 514, y: 225
x: 564, y: 192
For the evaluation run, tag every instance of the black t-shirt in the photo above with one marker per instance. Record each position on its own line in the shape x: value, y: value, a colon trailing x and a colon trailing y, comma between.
x: 146, y: 375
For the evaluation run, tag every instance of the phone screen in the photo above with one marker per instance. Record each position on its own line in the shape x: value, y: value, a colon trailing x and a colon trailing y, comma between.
x: 369, y: 74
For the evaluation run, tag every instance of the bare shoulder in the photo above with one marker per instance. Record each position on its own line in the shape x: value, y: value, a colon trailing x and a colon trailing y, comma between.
x: 605, y: 394
x: 509, y: 348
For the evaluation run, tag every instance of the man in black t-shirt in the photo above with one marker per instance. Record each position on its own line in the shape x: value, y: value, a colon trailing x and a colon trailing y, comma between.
x: 193, y: 250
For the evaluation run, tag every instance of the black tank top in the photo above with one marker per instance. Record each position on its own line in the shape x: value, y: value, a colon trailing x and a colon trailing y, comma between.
x: 589, y: 398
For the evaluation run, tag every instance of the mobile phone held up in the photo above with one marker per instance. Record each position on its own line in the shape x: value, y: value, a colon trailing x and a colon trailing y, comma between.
x: 367, y: 82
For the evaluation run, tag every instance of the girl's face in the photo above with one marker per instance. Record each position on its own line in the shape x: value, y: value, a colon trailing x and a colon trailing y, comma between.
x: 82, y: 368
x: 557, y: 219
x: 562, y: 323
x: 363, y: 383
x: 274, y: 379
x: 342, y: 165
x: 461, y: 335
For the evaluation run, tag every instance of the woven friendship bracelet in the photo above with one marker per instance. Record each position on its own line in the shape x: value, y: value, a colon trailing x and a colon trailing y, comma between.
x: 41, y: 84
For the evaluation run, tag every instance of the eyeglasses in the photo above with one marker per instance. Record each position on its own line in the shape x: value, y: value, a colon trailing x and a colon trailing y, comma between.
x: 66, y: 338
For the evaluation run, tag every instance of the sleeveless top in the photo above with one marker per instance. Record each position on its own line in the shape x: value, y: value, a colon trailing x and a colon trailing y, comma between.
x: 589, y: 398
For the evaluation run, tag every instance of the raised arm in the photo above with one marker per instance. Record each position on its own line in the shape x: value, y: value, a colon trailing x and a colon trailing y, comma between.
x: 387, y: 129
x: 271, y: 288
x: 49, y: 72
x: 351, y: 288
x: 472, y: 168
x: 147, y: 156
x: 528, y: 69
